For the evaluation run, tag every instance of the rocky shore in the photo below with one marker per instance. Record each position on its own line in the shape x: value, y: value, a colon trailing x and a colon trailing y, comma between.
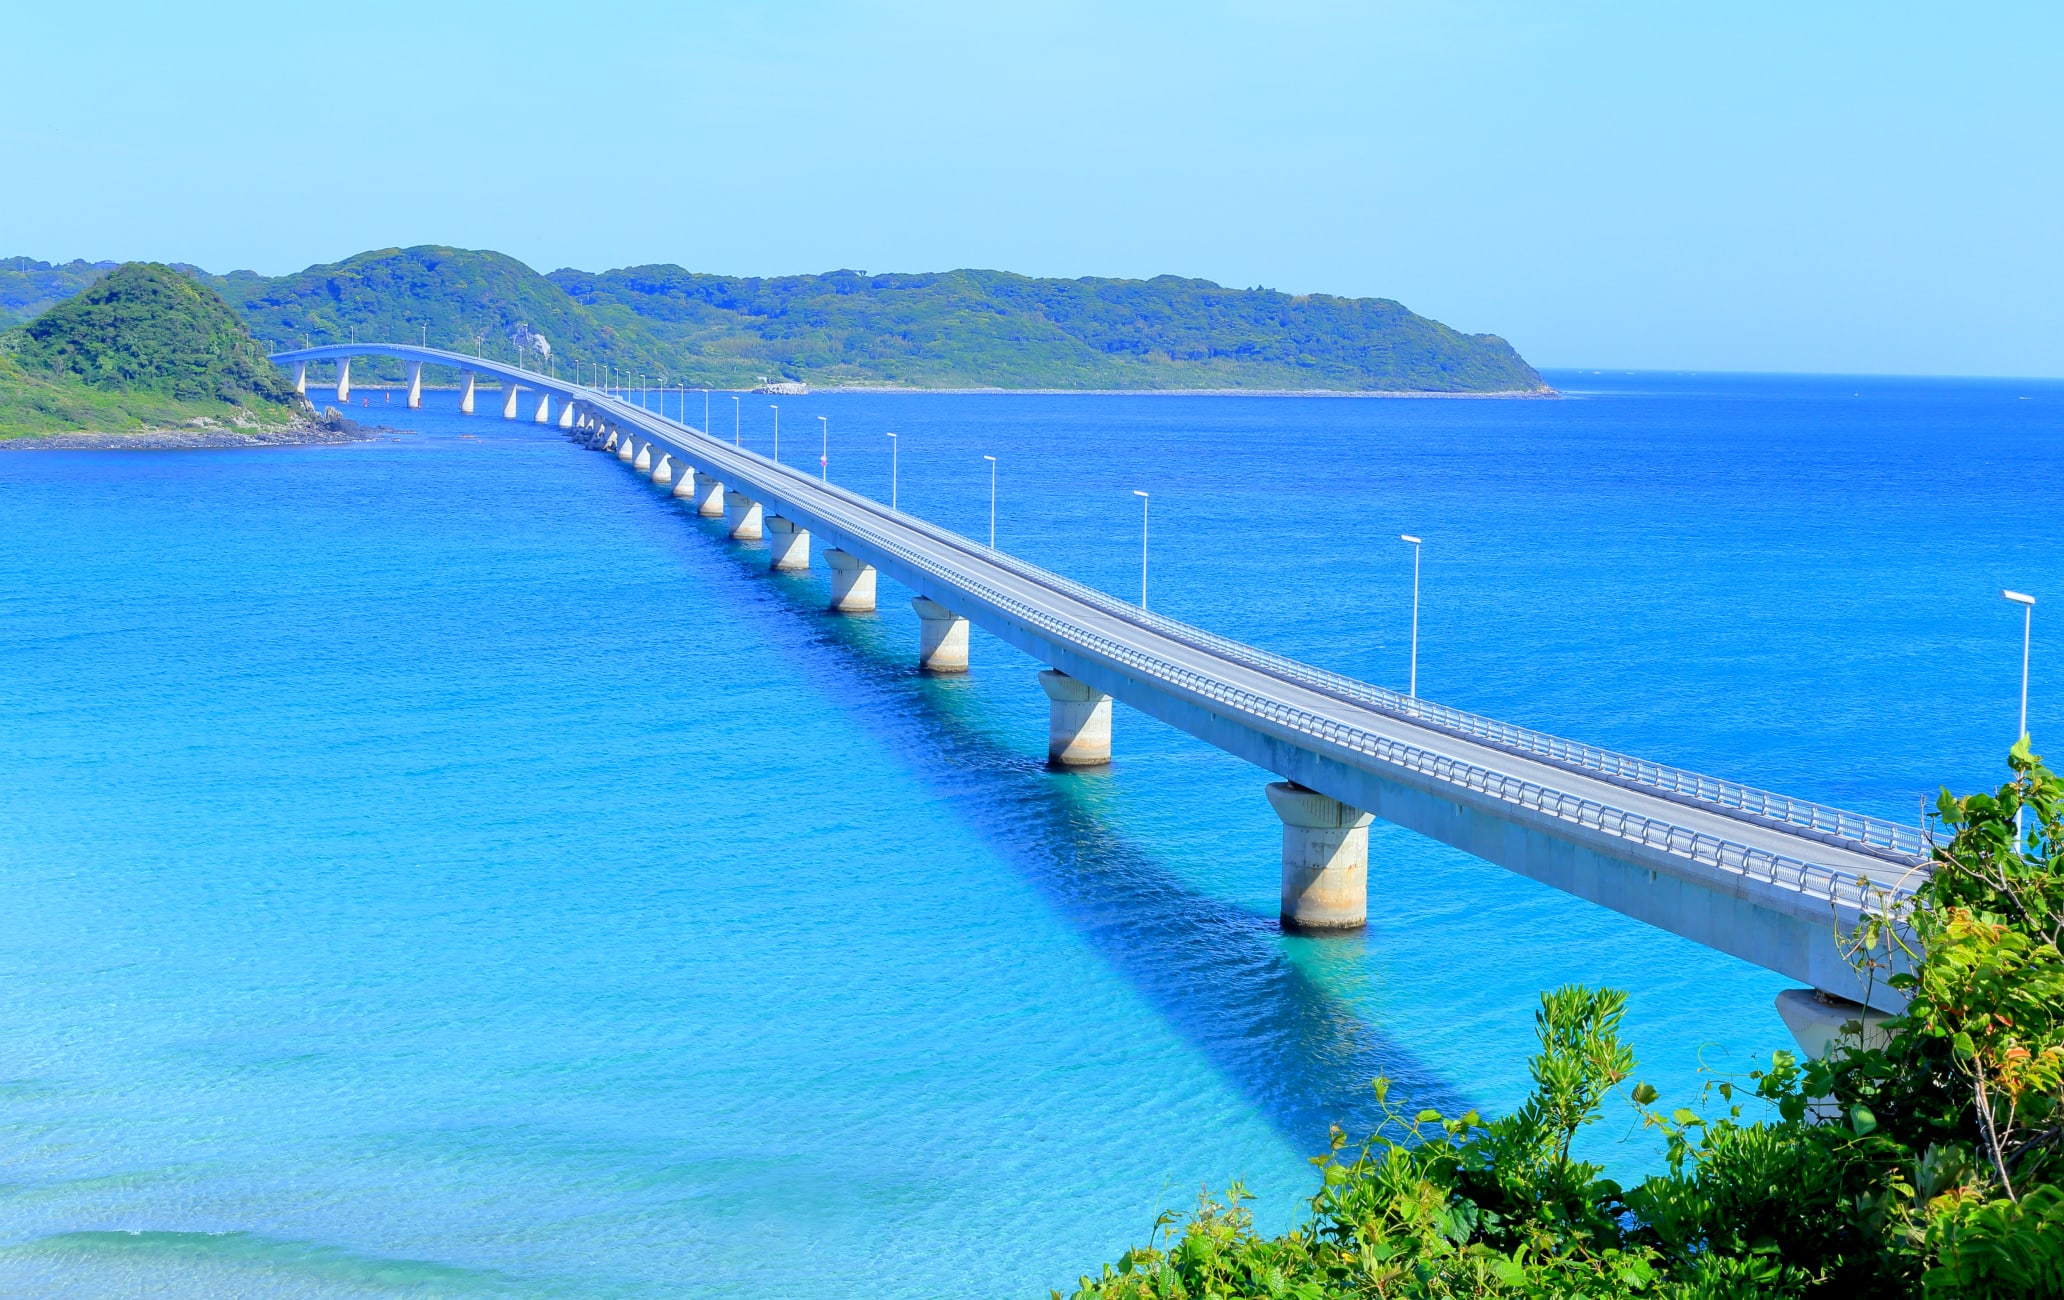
x: 304, y: 430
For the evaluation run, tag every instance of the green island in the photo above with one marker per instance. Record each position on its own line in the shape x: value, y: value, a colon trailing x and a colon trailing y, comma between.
x: 1923, y: 1157
x: 956, y: 329
x: 139, y: 348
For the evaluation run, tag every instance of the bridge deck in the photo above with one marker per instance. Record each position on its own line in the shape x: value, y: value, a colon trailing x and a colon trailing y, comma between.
x: 1760, y: 875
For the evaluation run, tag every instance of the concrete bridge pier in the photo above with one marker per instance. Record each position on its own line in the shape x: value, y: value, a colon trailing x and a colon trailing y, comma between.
x: 790, y: 542
x: 625, y: 452
x: 1078, y: 721
x: 852, y: 582
x: 942, y: 645
x: 509, y: 403
x: 466, y: 394
x: 415, y: 385
x: 1325, y: 859
x: 1822, y: 1022
x: 343, y: 380
x: 301, y: 378
x: 544, y: 409
x: 663, y: 473
x: 567, y: 415
x: 742, y: 514
x: 709, y: 496
x: 643, y: 461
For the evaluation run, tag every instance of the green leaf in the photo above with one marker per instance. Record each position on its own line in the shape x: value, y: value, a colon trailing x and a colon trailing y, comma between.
x: 1861, y: 1121
x: 1509, y: 1272
x: 1426, y: 1116
x: 1644, y: 1094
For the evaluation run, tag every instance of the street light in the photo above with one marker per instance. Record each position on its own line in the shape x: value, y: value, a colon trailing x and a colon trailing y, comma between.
x: 774, y: 407
x: 735, y: 408
x: 893, y: 456
x: 2027, y: 604
x: 1142, y: 546
x: 992, y: 501
x: 1413, y: 689
x: 824, y: 457
x: 705, y: 412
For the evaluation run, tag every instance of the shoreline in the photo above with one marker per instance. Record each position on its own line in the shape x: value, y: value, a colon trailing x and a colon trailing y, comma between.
x: 302, y: 431
x: 1544, y: 393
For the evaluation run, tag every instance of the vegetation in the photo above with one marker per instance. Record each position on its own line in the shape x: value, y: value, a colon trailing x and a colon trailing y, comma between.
x: 141, y: 347
x: 960, y: 329
x: 1923, y: 1159
x: 28, y: 288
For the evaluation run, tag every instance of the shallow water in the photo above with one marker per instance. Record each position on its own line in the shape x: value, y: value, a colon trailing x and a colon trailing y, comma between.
x: 445, y: 866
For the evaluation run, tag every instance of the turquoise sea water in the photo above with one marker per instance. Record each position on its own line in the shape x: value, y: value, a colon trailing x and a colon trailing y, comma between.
x: 446, y: 866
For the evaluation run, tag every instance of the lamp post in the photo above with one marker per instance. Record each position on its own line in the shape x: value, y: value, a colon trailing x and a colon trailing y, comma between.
x: 1413, y: 689
x: 1142, y: 546
x: 992, y: 501
x: 894, y: 454
x: 705, y: 411
x: 775, y: 407
x: 824, y: 457
x: 2027, y: 604
x: 735, y: 408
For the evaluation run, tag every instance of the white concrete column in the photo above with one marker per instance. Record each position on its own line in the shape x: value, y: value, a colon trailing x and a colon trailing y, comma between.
x: 301, y: 378
x: 567, y: 415
x: 466, y: 395
x: 343, y: 380
x: 742, y: 513
x: 790, y: 542
x: 942, y: 645
x: 544, y: 411
x: 509, y: 403
x: 643, y: 461
x: 415, y: 386
x: 852, y: 582
x: 684, y: 483
x: 1325, y: 859
x: 1078, y: 721
x: 663, y: 473
x: 709, y: 496
x: 605, y: 438
x: 626, y: 450
x: 1822, y: 1023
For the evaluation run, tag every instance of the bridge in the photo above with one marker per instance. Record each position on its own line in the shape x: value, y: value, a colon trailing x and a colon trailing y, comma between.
x: 1763, y: 877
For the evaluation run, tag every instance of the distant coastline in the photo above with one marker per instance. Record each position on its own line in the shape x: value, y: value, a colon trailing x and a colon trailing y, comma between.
x: 303, y: 431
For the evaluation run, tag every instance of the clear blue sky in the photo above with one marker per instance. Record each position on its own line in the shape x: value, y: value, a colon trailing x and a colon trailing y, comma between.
x: 1838, y: 186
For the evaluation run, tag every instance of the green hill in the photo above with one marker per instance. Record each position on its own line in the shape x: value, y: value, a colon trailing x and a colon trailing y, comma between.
x: 142, y: 347
x: 957, y: 329
x: 993, y: 329
x: 28, y: 288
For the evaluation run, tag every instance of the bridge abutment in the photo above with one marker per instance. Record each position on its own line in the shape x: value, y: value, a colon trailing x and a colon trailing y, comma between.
x: 942, y: 645
x: 1325, y: 859
x: 742, y: 516
x: 790, y: 542
x: 852, y: 582
x: 1078, y: 721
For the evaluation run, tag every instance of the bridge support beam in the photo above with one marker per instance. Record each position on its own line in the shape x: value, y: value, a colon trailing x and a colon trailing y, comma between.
x: 509, y: 402
x: 684, y: 481
x: 1325, y: 859
x: 1078, y: 721
x: 742, y: 514
x: 663, y: 473
x: 415, y: 385
x: 852, y: 583
x: 942, y: 645
x: 301, y: 378
x: 625, y: 451
x: 643, y: 462
x: 709, y: 496
x: 466, y: 394
x: 544, y: 411
x: 1821, y: 1022
x: 790, y: 542
x: 343, y: 380
x: 567, y: 415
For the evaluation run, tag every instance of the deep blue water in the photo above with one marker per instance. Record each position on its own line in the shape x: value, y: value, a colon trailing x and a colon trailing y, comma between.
x: 445, y: 866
